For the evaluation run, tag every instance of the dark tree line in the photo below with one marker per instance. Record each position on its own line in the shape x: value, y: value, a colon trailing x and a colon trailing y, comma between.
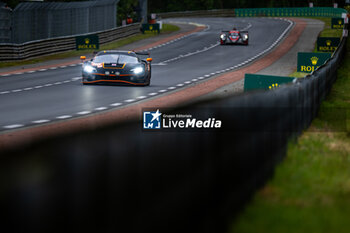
x: 190, y: 5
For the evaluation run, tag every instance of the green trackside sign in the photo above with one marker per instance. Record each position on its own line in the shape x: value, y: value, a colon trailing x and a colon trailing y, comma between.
x: 265, y: 82
x: 308, y: 62
x: 87, y: 42
x: 146, y: 27
x: 327, y: 44
x: 337, y: 23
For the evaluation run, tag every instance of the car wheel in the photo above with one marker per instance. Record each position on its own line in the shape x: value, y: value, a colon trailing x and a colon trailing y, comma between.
x: 148, y: 81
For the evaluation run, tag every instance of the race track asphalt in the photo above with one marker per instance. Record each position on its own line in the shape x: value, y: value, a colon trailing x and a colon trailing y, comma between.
x: 57, y: 94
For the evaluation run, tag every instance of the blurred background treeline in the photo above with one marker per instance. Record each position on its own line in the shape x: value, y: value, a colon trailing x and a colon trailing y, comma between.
x: 185, y: 5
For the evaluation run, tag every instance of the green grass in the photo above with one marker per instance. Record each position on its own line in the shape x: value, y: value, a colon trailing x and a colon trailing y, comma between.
x: 167, y: 28
x: 298, y: 74
x: 310, y: 191
x: 326, y: 32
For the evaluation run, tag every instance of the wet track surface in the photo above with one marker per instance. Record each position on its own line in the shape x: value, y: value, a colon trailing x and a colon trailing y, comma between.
x: 57, y: 94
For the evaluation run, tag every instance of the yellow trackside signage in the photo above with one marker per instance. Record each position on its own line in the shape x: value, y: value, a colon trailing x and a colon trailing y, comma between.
x: 87, y: 42
x: 150, y: 27
x: 327, y: 44
x: 309, y: 62
x: 265, y: 82
x: 337, y: 23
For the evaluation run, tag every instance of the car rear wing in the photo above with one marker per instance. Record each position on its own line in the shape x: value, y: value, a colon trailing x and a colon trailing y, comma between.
x: 143, y: 53
x: 245, y: 32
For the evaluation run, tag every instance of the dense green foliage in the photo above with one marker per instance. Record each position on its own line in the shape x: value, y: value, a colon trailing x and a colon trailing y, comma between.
x: 127, y: 9
x: 182, y: 5
x: 186, y: 5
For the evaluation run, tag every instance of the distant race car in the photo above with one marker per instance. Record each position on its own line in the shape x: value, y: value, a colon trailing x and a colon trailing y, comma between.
x: 112, y: 66
x: 234, y: 37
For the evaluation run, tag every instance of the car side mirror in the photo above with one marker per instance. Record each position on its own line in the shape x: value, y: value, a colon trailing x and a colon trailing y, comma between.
x: 149, y: 59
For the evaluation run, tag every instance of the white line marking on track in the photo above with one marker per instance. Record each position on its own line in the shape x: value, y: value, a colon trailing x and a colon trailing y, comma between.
x: 100, y: 108
x: 141, y: 97
x: 129, y: 100
x: 83, y: 112
x: 115, y: 104
x: 13, y: 126
x: 179, y: 85
x: 17, y: 90
x: 64, y: 117
x: 4, y: 75
x: 42, y: 70
x: 53, y: 68
x: 162, y: 91
x: 171, y: 88
x: 40, y: 121
x: 38, y: 86
x: 28, y: 88
x: 153, y: 93
x: 4, y: 92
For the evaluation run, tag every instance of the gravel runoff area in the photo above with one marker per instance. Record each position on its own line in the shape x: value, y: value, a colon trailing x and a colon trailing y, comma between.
x: 284, y: 66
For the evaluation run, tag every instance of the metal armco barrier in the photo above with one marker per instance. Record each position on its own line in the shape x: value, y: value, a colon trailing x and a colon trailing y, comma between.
x: 33, y: 49
x: 202, y: 13
x: 291, y: 12
x: 260, y: 12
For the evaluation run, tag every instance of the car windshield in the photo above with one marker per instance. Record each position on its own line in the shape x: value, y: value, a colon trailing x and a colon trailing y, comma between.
x: 234, y: 34
x: 115, y: 58
x: 127, y: 59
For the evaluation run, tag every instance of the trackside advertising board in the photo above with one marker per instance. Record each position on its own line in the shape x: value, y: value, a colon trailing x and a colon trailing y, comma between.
x: 308, y: 62
x: 146, y: 27
x: 266, y: 82
x: 337, y: 23
x: 327, y: 44
x: 87, y: 42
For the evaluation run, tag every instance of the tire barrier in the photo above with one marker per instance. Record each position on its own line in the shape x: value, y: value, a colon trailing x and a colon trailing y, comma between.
x: 13, y: 52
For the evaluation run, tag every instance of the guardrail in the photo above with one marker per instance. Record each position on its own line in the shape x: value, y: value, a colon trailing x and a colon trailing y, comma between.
x: 13, y: 52
x: 202, y: 13
x: 260, y: 12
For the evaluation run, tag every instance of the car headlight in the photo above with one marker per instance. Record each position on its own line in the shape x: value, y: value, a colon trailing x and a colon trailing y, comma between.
x: 245, y: 37
x: 89, y: 69
x: 223, y: 37
x: 138, y: 70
